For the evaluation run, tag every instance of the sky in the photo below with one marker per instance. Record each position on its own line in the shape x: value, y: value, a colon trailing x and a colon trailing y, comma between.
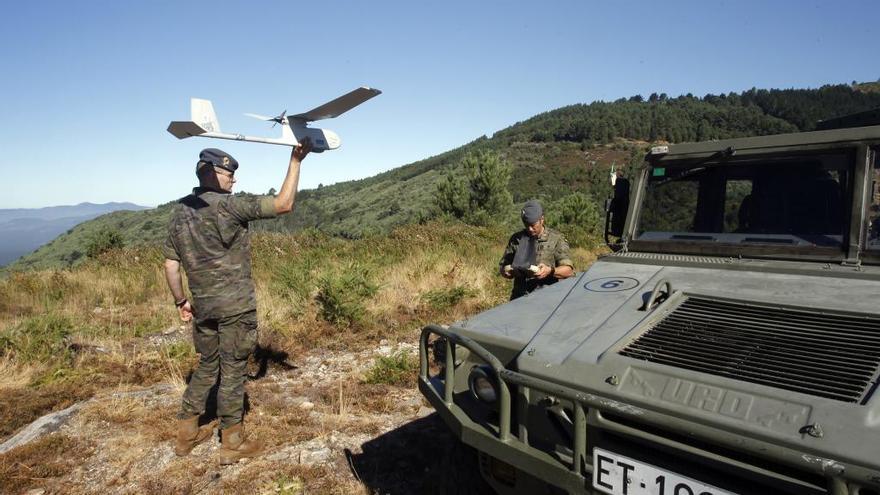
x: 89, y: 87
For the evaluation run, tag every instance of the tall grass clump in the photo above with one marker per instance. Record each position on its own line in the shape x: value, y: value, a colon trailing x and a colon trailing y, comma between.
x: 447, y: 297
x: 397, y: 369
x: 295, y: 280
x: 342, y: 296
x: 41, y: 338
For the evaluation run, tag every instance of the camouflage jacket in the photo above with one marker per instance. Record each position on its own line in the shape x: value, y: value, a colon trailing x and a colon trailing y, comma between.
x: 209, y: 235
x: 551, y: 249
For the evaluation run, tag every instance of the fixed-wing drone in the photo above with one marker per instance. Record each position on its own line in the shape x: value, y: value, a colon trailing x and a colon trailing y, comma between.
x: 294, y: 128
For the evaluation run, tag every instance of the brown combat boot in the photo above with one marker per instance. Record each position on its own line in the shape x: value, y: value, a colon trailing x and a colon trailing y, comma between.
x: 236, y: 445
x: 189, y: 434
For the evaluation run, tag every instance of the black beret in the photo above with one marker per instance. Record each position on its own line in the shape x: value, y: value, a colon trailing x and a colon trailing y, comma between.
x: 532, y: 212
x: 217, y: 158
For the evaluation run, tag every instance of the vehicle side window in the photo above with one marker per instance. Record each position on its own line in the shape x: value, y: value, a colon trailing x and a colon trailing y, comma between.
x: 874, y: 210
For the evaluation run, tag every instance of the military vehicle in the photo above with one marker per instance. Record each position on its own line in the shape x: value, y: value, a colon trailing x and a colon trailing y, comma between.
x: 728, y: 345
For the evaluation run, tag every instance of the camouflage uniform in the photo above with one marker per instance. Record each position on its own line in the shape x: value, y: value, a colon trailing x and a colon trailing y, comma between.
x: 551, y: 249
x: 209, y: 236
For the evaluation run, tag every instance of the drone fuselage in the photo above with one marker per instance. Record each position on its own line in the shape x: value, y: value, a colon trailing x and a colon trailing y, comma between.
x: 322, y: 139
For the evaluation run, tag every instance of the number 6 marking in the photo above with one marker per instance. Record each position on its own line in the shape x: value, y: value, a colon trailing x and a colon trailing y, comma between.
x: 612, y: 284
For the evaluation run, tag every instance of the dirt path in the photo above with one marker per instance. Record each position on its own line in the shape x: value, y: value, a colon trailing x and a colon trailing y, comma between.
x: 326, y: 431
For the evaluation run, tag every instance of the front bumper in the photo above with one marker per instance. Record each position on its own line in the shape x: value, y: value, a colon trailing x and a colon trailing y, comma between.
x: 497, y: 442
x: 574, y: 475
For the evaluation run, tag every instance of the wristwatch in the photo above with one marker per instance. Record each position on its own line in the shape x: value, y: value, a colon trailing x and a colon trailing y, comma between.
x: 180, y: 303
x: 552, y: 271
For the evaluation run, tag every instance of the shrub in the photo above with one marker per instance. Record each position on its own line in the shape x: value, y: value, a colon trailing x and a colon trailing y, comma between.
x: 398, y: 369
x: 102, y: 241
x: 295, y: 276
x: 341, y: 296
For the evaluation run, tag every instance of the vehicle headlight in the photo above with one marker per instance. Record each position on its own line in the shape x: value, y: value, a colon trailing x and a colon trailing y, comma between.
x: 483, y: 384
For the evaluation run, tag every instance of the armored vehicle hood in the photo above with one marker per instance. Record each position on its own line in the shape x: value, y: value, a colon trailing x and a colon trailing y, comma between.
x: 810, y: 361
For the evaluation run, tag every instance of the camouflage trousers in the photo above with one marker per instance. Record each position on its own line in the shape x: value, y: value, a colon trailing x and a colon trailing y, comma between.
x: 224, y: 345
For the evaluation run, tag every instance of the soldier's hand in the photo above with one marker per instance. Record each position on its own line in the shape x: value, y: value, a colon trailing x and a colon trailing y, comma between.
x: 186, y: 312
x: 507, y: 271
x: 300, y: 151
x: 543, y: 271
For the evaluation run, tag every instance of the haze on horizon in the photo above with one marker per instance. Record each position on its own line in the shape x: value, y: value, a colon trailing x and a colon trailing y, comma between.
x: 91, y: 87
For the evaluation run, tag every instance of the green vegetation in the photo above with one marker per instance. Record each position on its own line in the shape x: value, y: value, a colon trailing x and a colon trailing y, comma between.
x: 37, y: 338
x: 551, y: 156
x: 341, y: 296
x: 382, y: 256
x: 477, y: 190
x: 286, y: 485
x: 397, y: 369
x: 447, y: 297
x: 579, y: 217
x: 120, y: 228
x: 102, y: 241
x: 65, y: 334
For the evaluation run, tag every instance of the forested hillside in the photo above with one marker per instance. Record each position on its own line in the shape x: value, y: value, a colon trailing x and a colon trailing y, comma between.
x: 570, y: 149
x: 551, y: 156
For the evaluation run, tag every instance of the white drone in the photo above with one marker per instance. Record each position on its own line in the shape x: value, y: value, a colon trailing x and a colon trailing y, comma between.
x: 294, y: 128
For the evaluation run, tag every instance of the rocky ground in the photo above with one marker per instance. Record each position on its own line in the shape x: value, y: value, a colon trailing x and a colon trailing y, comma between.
x: 327, y: 430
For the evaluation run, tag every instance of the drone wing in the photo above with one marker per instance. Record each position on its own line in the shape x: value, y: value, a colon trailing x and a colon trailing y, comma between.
x: 338, y: 106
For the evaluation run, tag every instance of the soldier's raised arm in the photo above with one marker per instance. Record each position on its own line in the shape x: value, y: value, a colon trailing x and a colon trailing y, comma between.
x: 287, y: 194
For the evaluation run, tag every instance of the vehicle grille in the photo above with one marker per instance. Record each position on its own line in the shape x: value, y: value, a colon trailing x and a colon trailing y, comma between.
x: 673, y: 257
x: 826, y: 354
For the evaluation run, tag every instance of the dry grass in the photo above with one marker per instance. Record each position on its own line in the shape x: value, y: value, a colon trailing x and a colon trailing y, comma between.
x: 32, y: 465
x: 20, y: 406
x: 15, y: 375
x: 70, y: 334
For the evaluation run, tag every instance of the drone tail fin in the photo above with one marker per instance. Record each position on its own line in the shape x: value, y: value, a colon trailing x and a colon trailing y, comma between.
x: 203, y: 115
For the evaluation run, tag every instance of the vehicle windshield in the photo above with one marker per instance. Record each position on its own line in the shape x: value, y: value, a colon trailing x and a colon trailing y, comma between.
x: 794, y: 203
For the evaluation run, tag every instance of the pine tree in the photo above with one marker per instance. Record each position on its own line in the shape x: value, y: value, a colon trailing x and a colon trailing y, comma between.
x: 477, y: 189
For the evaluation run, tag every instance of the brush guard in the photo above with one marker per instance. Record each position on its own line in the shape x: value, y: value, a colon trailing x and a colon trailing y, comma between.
x: 501, y: 443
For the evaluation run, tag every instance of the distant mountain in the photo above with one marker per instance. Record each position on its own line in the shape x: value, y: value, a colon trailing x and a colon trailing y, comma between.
x: 553, y: 154
x: 23, y: 230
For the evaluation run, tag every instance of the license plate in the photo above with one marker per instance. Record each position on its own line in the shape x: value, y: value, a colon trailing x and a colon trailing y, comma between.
x: 619, y: 475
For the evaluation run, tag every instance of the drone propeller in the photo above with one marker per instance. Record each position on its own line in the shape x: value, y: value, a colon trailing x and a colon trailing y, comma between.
x: 258, y: 116
x: 277, y: 120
